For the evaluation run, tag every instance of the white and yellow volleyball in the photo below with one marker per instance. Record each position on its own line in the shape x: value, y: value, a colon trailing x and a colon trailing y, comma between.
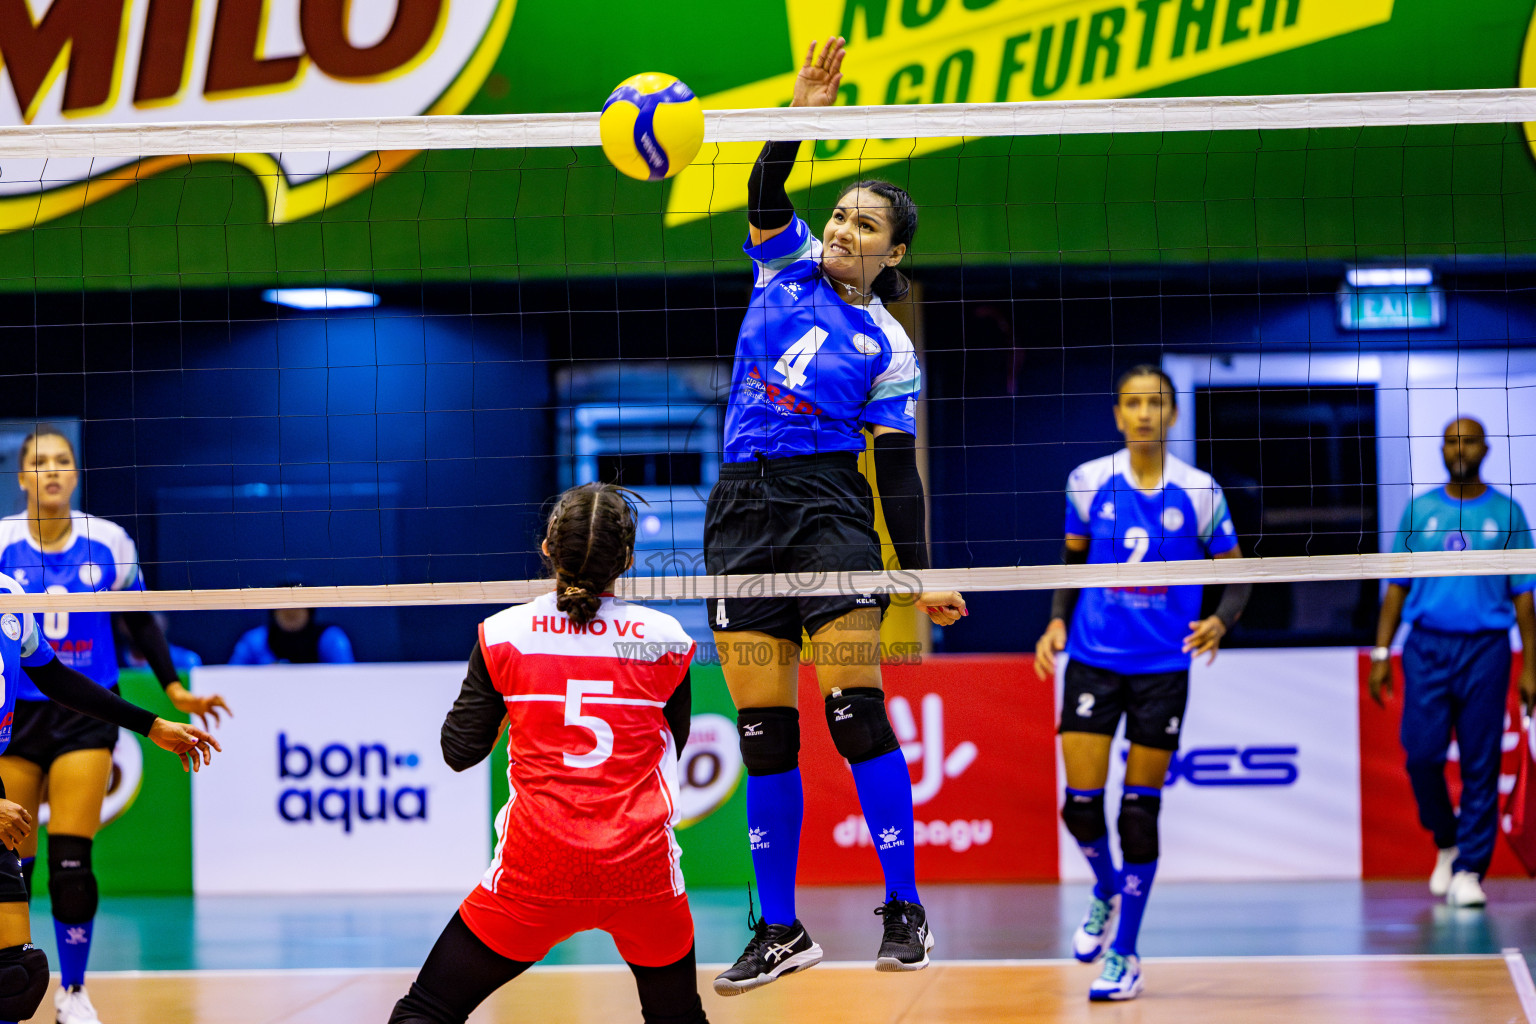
x: 652, y: 126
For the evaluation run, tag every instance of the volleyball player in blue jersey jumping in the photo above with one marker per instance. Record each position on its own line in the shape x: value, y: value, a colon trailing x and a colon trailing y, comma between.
x: 819, y: 361
x: 1129, y: 651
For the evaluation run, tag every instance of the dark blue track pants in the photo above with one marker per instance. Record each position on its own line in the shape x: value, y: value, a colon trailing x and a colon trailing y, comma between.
x: 1456, y: 683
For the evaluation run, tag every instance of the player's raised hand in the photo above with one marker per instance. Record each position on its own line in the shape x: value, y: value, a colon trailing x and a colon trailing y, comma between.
x: 185, y: 741
x: 944, y: 607
x: 189, y: 703
x: 15, y: 823
x: 816, y: 84
x: 1204, y: 638
x: 1051, y: 642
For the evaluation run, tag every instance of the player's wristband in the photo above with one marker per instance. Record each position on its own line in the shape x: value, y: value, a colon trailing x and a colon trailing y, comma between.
x: 1380, y: 654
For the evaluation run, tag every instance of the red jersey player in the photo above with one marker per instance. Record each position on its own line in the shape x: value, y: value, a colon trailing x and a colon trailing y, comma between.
x: 596, y: 698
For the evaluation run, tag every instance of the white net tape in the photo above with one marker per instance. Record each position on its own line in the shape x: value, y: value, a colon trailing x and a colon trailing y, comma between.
x: 905, y: 121
x: 656, y: 588
x: 1231, y: 113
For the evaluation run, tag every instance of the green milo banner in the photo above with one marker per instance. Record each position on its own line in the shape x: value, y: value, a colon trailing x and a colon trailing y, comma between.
x: 258, y: 219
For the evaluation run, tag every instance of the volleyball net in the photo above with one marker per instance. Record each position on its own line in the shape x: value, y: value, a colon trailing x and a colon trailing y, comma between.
x: 369, y: 398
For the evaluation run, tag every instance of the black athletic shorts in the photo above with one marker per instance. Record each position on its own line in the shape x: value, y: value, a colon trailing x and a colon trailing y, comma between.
x: 1093, y: 699
x: 812, y: 515
x: 43, y: 730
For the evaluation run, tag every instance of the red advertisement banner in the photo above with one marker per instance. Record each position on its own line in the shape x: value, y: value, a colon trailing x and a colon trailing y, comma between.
x: 978, y: 733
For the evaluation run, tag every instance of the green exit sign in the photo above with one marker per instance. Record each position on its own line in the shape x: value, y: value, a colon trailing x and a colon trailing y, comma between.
x: 1390, y: 309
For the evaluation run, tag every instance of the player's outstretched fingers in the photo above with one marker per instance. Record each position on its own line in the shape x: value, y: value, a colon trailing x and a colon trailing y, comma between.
x: 194, y: 746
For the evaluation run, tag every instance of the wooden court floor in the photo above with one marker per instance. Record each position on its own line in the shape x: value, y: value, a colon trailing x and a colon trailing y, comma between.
x: 1316, y: 990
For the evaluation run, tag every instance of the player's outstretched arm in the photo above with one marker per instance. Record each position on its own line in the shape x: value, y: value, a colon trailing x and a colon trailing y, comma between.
x: 903, y: 502
x: 150, y: 641
x: 77, y: 692
x: 769, y: 210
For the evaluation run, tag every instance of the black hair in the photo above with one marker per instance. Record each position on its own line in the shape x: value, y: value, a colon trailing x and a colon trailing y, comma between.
x: 44, y: 430
x: 591, y: 537
x: 891, y: 284
x: 1147, y: 370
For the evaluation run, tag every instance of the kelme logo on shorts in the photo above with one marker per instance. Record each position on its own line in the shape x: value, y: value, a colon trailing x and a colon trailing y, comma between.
x: 233, y: 60
x: 973, y: 51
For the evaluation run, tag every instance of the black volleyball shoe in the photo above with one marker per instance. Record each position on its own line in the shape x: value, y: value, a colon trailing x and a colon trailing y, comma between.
x: 907, y: 939
x: 773, y: 951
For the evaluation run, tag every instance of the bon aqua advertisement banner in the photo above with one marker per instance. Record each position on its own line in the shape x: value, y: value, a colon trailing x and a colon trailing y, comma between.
x: 257, y: 218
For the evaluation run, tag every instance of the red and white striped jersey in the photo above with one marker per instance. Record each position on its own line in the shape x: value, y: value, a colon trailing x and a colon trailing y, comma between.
x: 593, y: 769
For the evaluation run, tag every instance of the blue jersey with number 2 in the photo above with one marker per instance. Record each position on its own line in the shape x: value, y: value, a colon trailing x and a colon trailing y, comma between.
x: 1137, y: 630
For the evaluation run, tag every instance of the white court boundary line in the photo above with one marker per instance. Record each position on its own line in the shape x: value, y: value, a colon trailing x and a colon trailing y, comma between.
x: 836, y: 965
x: 1525, y: 988
x: 660, y: 588
x: 907, y: 121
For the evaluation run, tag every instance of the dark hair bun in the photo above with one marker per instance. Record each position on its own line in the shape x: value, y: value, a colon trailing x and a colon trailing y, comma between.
x: 591, y: 541
x: 580, y: 601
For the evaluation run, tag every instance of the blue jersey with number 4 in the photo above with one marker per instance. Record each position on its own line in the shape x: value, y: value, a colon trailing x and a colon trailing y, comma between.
x: 811, y: 370
x: 1136, y: 630
x: 21, y: 647
x: 1463, y: 604
x: 97, y: 555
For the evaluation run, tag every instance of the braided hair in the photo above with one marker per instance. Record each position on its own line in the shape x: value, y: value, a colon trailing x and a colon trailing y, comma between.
x: 891, y: 284
x: 591, y: 541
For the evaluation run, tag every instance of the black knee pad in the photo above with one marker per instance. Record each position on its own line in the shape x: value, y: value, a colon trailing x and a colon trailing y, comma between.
x: 23, y: 981
x: 770, y: 739
x: 1138, y: 827
x: 1084, y: 816
x: 71, y: 882
x: 860, y: 729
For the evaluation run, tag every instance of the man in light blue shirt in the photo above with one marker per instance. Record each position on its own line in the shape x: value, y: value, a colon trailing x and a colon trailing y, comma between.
x: 1456, y: 661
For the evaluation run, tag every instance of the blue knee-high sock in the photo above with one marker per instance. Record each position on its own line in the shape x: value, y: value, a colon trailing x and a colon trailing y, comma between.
x: 1136, y: 875
x: 775, y: 808
x: 74, y: 942
x: 74, y: 951
x: 885, y: 794
x: 1100, y: 859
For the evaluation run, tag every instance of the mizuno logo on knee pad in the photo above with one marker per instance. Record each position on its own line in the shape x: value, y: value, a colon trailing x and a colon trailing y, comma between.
x: 752, y: 728
x: 842, y: 713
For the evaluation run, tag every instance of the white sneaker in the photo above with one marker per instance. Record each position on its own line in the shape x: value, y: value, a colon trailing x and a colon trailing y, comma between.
x: 1465, y: 890
x: 1440, y: 878
x: 1096, y: 932
x: 1121, y: 979
x: 73, y: 1006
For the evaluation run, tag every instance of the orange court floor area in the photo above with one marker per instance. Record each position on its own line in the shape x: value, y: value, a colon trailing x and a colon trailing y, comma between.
x: 1194, y: 990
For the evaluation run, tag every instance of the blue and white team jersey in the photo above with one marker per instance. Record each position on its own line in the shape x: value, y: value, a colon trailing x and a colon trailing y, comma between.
x: 1136, y: 630
x: 21, y: 647
x: 1463, y: 604
x: 99, y: 556
x: 812, y: 370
